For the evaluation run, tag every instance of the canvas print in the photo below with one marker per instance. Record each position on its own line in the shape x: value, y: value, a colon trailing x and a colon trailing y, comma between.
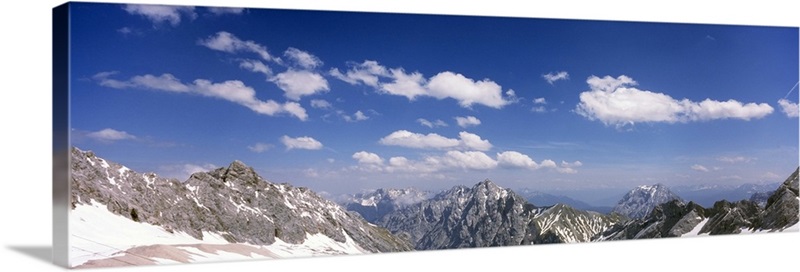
x: 205, y: 134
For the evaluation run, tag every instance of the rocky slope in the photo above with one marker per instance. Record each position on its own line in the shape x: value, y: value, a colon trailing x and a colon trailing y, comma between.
x: 640, y: 201
x: 675, y: 219
x: 234, y: 202
x: 487, y: 215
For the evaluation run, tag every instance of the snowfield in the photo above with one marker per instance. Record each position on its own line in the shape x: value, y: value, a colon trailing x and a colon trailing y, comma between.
x: 99, y: 238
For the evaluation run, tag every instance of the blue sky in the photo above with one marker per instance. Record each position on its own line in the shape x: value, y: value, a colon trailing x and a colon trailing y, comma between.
x: 342, y: 102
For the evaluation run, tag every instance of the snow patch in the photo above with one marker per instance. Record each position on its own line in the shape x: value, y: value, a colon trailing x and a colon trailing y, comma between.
x: 696, y: 230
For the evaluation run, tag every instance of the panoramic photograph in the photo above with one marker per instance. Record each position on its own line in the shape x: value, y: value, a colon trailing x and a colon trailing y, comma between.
x: 206, y: 134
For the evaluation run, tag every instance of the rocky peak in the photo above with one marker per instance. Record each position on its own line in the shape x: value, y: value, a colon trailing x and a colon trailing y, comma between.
x: 640, y: 201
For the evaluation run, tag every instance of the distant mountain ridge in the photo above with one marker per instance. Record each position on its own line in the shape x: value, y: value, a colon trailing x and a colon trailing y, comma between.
x: 540, y: 198
x: 376, y: 204
x: 706, y: 195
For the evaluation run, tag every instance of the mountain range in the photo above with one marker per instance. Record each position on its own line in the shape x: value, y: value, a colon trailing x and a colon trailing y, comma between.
x: 233, y: 203
x: 122, y: 217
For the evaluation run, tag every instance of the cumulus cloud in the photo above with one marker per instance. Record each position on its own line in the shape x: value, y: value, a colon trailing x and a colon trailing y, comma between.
x: 364, y: 157
x: 466, y: 141
x: 539, y: 101
x: 110, y: 135
x: 555, y: 76
x: 303, y: 142
x: 159, y: 14
x: 302, y: 58
x: 431, y: 124
x: 466, y: 90
x: 514, y: 159
x: 356, y: 117
x: 366, y: 73
x: 232, y: 90
x: 455, y: 160
x: 467, y: 121
x: 255, y: 66
x: 614, y: 101
x: 259, y: 147
x: 320, y: 104
x: 227, y: 42
x: 411, y: 85
x: 298, y: 83
x: 789, y: 108
x: 699, y: 168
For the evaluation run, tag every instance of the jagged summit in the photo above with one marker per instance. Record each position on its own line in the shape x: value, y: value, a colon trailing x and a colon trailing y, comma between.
x: 233, y: 202
x: 640, y: 201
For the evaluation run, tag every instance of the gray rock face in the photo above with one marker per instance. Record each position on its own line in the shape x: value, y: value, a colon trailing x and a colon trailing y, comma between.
x: 675, y: 219
x: 376, y: 204
x: 233, y: 201
x: 671, y: 219
x: 487, y: 215
x: 782, y: 209
x: 640, y: 201
x: 731, y: 218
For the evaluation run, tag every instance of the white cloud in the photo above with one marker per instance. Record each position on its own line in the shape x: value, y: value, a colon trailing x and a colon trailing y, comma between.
x: 735, y: 159
x: 357, y: 116
x: 539, y: 100
x: 415, y: 140
x: 412, y: 85
x: 159, y: 14
x: 431, y: 124
x: 789, y: 108
x: 227, y: 42
x: 472, y: 160
x: 190, y: 169
x: 467, y: 121
x: 700, y: 168
x: 259, y: 147
x: 514, y: 159
x: 364, y: 157
x: 553, y: 77
x: 539, y: 109
x: 232, y: 90
x: 408, y: 85
x: 548, y: 164
x: 366, y: 73
x: 473, y: 142
x: 320, y: 104
x: 574, y: 164
x: 110, y: 135
x: 302, y: 58
x: 298, y: 83
x: 466, y: 141
x: 164, y: 82
x: 304, y: 142
x: 223, y: 11
x: 466, y: 90
x: 614, y: 102
x: 255, y: 66
x: 360, y: 116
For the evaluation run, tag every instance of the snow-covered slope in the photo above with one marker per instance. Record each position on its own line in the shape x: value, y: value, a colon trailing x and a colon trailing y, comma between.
x: 229, y: 205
